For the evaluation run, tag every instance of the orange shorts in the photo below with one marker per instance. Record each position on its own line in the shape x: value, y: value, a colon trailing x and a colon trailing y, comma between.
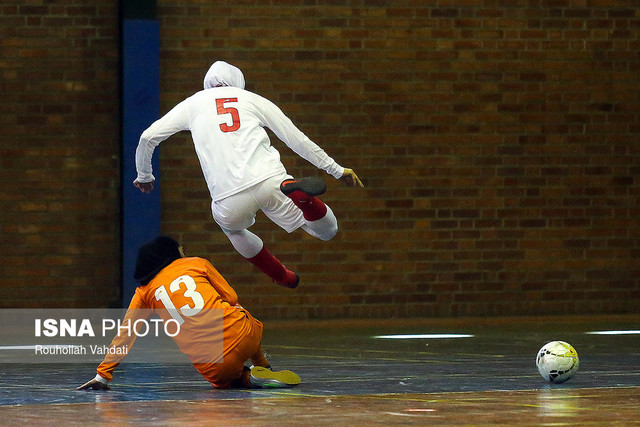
x: 222, y: 374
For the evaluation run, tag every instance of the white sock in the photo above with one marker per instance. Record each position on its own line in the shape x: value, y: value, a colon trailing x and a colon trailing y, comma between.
x: 245, y: 242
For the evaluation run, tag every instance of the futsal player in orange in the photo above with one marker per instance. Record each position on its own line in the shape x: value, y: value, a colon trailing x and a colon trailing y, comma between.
x: 192, y: 292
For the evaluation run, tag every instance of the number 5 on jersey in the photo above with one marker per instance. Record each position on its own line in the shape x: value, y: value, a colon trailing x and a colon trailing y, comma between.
x: 235, y: 116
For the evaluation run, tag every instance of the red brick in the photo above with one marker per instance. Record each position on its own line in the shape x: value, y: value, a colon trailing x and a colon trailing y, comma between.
x: 495, y: 144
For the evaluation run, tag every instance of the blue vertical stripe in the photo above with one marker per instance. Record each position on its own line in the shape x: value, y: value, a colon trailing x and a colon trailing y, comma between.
x: 140, y: 108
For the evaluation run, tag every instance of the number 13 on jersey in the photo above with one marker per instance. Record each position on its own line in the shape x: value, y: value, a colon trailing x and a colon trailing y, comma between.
x: 189, y: 292
x: 224, y: 109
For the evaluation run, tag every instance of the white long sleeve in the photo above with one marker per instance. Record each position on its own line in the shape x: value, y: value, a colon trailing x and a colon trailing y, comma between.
x: 227, y: 127
x: 173, y: 122
x: 284, y: 129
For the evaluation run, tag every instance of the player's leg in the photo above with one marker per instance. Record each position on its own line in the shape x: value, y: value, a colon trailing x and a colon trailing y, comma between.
x: 297, y: 209
x: 235, y: 214
x: 232, y: 372
x: 260, y: 359
x: 261, y: 374
x: 320, y: 220
x: 252, y: 248
x: 324, y: 228
x: 245, y: 338
x: 244, y: 242
x: 302, y: 193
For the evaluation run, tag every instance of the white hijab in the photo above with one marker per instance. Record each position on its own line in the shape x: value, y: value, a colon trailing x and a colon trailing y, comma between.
x: 223, y: 74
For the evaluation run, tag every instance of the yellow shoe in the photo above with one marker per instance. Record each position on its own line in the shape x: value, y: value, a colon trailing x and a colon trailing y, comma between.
x: 266, y: 378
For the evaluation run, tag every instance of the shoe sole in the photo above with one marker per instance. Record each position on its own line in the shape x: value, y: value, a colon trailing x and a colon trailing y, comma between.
x: 269, y: 379
x: 310, y: 186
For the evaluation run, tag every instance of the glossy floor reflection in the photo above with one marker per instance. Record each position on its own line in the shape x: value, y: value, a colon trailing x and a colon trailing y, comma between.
x: 350, y: 377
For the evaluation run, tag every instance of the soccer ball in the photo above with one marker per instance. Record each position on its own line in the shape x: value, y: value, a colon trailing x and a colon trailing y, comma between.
x: 557, y: 362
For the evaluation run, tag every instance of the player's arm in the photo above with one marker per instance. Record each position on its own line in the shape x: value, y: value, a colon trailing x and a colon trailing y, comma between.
x: 171, y: 123
x: 125, y: 340
x: 273, y: 118
x: 226, y: 292
x: 97, y: 383
x: 283, y: 127
x: 350, y: 178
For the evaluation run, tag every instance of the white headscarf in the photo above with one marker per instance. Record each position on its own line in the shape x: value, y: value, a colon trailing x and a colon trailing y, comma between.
x: 223, y: 74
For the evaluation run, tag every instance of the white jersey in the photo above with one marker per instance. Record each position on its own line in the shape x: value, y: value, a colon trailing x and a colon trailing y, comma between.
x: 227, y: 126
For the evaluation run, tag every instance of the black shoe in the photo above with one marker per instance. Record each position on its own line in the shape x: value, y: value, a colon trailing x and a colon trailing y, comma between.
x: 292, y: 280
x: 311, y: 186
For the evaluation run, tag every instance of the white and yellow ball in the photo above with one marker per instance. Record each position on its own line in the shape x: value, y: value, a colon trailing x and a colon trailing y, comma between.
x: 557, y: 362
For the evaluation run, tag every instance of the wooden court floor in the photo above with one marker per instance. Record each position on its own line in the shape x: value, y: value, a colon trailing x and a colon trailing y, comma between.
x: 351, y: 377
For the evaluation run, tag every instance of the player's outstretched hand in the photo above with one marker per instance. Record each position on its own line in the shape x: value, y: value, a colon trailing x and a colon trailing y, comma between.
x: 350, y: 178
x: 145, y: 187
x: 94, y: 384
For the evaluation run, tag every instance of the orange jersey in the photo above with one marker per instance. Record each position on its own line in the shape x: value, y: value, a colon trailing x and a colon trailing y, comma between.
x: 186, y: 290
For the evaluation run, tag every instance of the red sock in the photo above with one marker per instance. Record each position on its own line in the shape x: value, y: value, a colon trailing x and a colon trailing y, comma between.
x: 273, y: 268
x: 312, y: 208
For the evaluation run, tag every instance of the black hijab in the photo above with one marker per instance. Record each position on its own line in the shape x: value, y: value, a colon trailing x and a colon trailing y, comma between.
x: 154, y: 256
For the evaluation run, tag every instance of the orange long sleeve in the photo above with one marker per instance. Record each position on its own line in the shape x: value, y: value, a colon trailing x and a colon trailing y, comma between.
x: 123, y: 340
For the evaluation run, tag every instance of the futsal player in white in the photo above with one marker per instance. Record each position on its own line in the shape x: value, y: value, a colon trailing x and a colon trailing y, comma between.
x: 243, y: 170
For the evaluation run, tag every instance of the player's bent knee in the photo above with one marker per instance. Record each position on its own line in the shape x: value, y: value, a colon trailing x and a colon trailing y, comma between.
x: 328, y: 234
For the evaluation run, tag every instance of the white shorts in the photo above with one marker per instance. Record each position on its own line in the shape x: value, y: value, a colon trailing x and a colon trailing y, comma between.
x: 238, y: 212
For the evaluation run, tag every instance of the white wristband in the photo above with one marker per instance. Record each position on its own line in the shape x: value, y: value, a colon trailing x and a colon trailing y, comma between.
x: 100, y: 379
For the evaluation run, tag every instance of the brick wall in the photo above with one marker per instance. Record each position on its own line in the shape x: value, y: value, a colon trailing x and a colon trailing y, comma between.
x: 497, y: 140
x: 59, y: 145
